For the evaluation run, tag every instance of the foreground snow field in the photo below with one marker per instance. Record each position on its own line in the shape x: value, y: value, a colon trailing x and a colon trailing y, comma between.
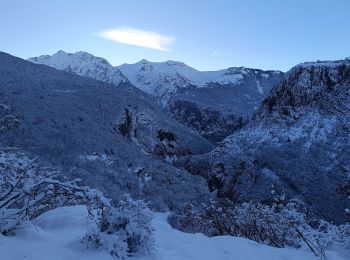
x: 59, y: 231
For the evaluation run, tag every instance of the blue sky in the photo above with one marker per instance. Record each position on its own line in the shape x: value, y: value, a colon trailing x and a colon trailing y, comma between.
x: 207, y: 35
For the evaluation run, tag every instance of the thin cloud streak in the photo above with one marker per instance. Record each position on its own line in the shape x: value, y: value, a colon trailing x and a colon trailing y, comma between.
x: 137, y: 37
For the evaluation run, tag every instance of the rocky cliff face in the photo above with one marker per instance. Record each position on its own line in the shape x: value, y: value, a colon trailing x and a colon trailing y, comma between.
x: 209, y: 122
x: 311, y: 103
x: 220, y: 108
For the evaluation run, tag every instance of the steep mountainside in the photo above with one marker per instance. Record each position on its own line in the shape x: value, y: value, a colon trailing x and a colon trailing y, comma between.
x: 311, y: 103
x: 297, y: 141
x: 223, y: 107
x: 113, y: 137
x: 214, y: 103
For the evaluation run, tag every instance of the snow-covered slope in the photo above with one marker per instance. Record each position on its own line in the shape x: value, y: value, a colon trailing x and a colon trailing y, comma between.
x: 83, y: 64
x: 58, y: 232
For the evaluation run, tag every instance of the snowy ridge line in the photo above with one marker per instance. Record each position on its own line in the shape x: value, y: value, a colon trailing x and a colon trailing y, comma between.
x: 159, y: 79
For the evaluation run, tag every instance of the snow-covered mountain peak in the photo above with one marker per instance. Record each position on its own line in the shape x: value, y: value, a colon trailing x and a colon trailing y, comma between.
x: 159, y: 79
x: 176, y: 63
x: 83, y: 64
x: 61, y: 60
x: 60, y: 52
x: 143, y: 61
x: 166, y: 63
x: 163, y: 79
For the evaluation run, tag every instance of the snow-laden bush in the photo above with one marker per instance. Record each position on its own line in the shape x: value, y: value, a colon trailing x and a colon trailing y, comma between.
x: 28, y: 190
x: 123, y: 230
x: 278, y: 225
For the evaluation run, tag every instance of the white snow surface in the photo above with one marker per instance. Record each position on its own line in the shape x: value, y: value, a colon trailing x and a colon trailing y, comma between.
x: 154, y: 71
x: 162, y: 79
x: 57, y: 233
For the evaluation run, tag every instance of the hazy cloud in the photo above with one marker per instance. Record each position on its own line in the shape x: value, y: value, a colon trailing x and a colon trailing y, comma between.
x: 213, y: 53
x: 132, y: 36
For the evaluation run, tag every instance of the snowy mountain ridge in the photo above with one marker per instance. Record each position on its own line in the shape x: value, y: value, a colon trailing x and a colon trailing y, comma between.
x: 159, y: 79
x: 179, y: 69
x: 325, y: 63
x: 82, y: 64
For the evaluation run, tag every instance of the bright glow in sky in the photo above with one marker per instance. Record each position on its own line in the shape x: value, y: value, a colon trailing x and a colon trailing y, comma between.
x: 138, y: 37
x: 205, y: 34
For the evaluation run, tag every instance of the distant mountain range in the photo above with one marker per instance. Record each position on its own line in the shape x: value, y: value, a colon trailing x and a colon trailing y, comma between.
x: 230, y: 96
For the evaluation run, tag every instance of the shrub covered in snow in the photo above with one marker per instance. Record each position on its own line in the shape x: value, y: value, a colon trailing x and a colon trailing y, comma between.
x: 28, y: 190
x: 279, y: 224
x: 123, y: 230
